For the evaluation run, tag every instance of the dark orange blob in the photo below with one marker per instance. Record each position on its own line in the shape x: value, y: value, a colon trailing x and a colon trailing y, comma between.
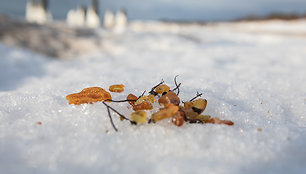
x: 89, y: 95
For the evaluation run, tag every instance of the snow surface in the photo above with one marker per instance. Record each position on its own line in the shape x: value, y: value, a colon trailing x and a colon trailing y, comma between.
x: 256, y: 79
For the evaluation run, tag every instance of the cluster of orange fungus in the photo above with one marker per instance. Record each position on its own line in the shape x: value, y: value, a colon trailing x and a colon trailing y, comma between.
x: 161, y: 103
x: 89, y: 95
x: 116, y: 88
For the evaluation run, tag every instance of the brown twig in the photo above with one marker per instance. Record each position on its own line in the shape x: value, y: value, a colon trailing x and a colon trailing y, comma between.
x: 152, y: 90
x: 177, y: 86
x: 198, y: 95
x: 114, y: 110
x: 119, y: 101
x: 111, y: 120
x: 142, y: 94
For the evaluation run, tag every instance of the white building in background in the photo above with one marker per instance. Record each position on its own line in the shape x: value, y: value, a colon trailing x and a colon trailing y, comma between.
x: 37, y: 11
x: 82, y: 17
x: 92, y: 15
x: 109, y: 19
x: 117, y: 22
x: 90, y: 18
x: 121, y: 20
x: 77, y: 17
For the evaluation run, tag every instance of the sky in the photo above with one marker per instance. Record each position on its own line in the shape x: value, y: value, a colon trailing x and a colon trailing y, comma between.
x: 194, y: 10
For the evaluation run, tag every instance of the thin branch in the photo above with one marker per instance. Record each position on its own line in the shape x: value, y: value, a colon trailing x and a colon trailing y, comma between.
x: 198, y: 95
x: 119, y: 101
x: 196, y: 121
x: 111, y: 120
x: 121, y: 116
x: 142, y: 94
x: 151, y: 121
x: 177, y: 86
x: 152, y: 90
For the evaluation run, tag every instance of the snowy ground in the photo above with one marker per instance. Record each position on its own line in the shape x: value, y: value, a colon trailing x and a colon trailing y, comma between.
x: 252, y: 76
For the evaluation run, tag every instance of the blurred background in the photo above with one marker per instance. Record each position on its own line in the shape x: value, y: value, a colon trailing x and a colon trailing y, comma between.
x: 181, y: 10
x: 66, y: 28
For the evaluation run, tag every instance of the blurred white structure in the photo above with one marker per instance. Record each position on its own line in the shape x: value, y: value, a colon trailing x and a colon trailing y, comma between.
x: 109, y: 19
x: 118, y: 22
x: 81, y: 18
x: 76, y: 17
x: 37, y: 11
x: 121, y: 20
x: 92, y: 15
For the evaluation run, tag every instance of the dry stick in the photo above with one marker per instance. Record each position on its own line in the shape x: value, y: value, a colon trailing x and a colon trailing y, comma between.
x: 152, y: 90
x: 142, y: 94
x: 197, y: 121
x: 198, y: 95
x: 119, y: 101
x: 111, y: 120
x: 121, y: 116
x: 177, y: 86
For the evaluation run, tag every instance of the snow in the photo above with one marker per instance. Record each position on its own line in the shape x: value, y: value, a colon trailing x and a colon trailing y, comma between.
x: 256, y: 79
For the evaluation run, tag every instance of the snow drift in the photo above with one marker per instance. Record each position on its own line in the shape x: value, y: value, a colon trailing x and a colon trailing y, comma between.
x: 254, y: 78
